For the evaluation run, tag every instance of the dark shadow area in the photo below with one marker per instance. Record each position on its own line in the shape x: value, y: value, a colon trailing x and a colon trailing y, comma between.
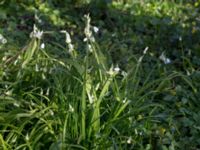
x: 121, y: 32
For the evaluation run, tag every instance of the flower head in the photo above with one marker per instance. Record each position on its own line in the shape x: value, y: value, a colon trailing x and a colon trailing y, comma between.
x: 87, y: 30
x: 113, y: 70
x: 36, y: 33
x: 96, y: 29
x: 42, y: 46
x: 67, y: 36
x: 164, y: 58
x: 3, y: 40
x: 68, y: 41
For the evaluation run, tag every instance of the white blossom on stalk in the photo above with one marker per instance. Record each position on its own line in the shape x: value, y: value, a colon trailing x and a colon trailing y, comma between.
x: 129, y: 140
x: 37, y: 18
x: 71, y: 47
x: 71, y: 109
x: 164, y: 58
x: 113, y: 70
x: 36, y: 68
x: 124, y: 101
x: 16, y: 104
x: 117, y: 69
x: 68, y: 41
x: 67, y: 36
x: 47, y: 92
x: 4, y: 58
x: 42, y: 46
x: 96, y: 29
x: 124, y: 74
x: 36, y: 33
x: 140, y: 59
x: 145, y: 50
x: 87, y: 30
x: 51, y: 112
x: 90, y: 48
x: 3, y: 40
x: 27, y: 137
x: 9, y: 93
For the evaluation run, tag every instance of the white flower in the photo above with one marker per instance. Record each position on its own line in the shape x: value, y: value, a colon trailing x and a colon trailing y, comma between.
x: 47, y: 92
x: 117, y: 69
x: 124, y: 74
x: 96, y: 29
x: 43, y: 76
x: 129, y: 140
x: 9, y: 93
x: 36, y: 33
x: 15, y: 62
x: 113, y: 35
x: 68, y: 41
x: 113, y: 71
x: 51, y: 112
x: 125, y: 100
x: 145, y: 50
x: 27, y: 137
x: 91, y: 98
x: 38, y: 18
x: 71, y: 109
x: 42, y: 46
x: 92, y: 39
x: 67, y: 36
x: 16, y: 104
x: 4, y: 58
x: 36, y: 68
x: 85, y: 40
x: 63, y: 31
x: 2, y: 39
x: 71, y: 47
x: 140, y: 59
x: 87, y: 30
x: 164, y: 58
x: 90, y: 48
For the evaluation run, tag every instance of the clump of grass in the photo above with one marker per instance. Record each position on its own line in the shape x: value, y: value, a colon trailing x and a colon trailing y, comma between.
x: 81, y: 101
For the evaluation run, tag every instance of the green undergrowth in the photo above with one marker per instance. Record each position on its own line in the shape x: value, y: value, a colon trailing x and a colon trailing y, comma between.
x: 131, y: 83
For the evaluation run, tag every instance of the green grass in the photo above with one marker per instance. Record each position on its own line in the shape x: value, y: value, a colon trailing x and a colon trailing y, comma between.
x: 105, y: 90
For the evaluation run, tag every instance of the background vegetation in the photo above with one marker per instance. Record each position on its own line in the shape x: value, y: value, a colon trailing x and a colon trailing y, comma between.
x: 99, y: 74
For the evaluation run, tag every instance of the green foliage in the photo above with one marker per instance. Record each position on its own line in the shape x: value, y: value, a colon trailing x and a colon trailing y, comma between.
x: 134, y: 84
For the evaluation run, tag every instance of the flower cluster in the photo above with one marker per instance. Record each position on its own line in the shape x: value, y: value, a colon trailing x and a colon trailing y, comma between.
x: 88, y: 31
x: 68, y: 41
x: 113, y: 70
x: 164, y: 58
x: 36, y: 33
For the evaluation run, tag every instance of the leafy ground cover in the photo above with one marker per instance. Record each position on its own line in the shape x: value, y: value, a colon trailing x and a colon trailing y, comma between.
x: 99, y: 75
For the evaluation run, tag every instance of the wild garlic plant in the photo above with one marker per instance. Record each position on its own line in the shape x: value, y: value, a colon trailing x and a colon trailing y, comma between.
x: 34, y: 45
x: 99, y: 81
x: 77, y: 100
